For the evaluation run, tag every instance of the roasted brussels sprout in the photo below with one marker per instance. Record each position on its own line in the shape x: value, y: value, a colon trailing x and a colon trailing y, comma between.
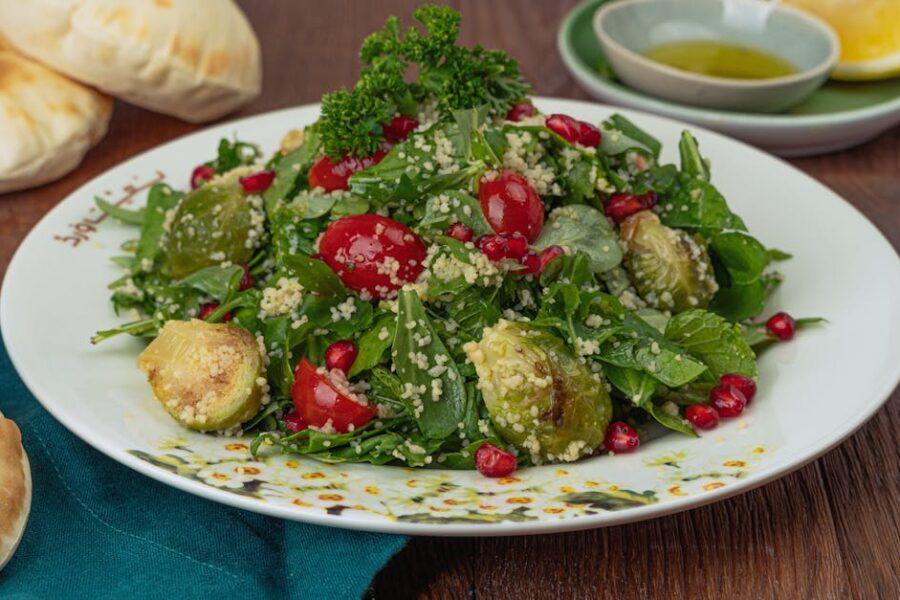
x: 670, y: 269
x: 206, y: 375
x: 216, y: 222
x: 540, y: 397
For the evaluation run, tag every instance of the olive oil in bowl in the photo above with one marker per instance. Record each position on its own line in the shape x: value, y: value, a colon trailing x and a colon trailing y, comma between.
x: 720, y: 59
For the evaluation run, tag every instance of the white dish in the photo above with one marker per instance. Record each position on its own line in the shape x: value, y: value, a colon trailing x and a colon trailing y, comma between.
x: 814, y: 391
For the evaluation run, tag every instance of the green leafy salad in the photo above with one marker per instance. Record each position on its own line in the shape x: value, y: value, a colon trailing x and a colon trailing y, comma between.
x: 436, y: 274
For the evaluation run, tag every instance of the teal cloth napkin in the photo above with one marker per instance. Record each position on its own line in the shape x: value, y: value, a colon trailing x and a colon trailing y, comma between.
x: 99, y: 530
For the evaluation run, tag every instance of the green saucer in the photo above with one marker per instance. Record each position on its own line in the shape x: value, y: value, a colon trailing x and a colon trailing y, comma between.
x: 836, y: 116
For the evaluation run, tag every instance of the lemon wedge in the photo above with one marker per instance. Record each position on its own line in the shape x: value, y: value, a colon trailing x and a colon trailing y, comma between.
x: 869, y: 31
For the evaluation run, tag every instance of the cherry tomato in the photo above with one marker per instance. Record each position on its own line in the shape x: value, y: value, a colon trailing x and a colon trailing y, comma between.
x: 399, y: 128
x: 511, y: 205
x: 520, y: 111
x: 318, y: 400
x: 332, y: 176
x: 372, y: 253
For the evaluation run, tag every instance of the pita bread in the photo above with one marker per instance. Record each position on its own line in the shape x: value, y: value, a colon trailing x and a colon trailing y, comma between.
x: 47, y: 122
x: 15, y: 489
x: 195, y: 59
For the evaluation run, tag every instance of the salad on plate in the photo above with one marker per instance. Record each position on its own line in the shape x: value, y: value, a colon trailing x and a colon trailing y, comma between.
x: 435, y: 274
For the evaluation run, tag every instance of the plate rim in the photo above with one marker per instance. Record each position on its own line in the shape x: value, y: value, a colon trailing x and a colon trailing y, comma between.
x: 646, y: 103
x: 807, y: 454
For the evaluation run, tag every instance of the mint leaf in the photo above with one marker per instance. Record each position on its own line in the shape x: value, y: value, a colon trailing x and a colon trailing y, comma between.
x: 427, y: 370
x: 715, y: 341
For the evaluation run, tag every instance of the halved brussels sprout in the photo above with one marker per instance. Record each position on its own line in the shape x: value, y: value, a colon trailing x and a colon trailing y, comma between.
x: 216, y: 222
x: 205, y: 374
x: 540, y: 397
x: 670, y: 269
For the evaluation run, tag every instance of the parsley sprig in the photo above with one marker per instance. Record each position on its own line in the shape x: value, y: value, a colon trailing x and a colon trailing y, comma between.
x: 456, y: 76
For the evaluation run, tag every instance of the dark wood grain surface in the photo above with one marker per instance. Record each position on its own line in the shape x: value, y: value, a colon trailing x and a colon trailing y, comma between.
x: 829, y: 530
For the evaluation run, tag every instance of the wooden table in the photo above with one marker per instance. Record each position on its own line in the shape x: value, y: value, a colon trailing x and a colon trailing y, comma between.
x: 830, y: 530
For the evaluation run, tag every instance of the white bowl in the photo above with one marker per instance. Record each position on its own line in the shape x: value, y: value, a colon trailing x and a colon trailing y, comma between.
x: 629, y: 28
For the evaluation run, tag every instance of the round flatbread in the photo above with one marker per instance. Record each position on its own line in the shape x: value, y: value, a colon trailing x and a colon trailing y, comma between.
x: 15, y: 489
x: 47, y: 122
x: 195, y: 59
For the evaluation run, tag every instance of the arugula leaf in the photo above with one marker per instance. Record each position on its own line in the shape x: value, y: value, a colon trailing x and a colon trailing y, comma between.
x: 374, y: 343
x: 715, y: 341
x: 292, y: 168
x: 693, y: 203
x: 311, y: 204
x: 454, y: 206
x: 639, y: 138
x: 160, y: 199
x: 742, y: 255
x: 421, y: 360
x: 692, y: 163
x: 233, y: 154
x: 126, y: 215
x: 314, y: 275
x: 580, y: 182
x: 581, y: 228
x: 404, y: 176
x: 218, y: 282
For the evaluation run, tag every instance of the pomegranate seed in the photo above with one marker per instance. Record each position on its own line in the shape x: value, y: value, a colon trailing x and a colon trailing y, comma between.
x: 532, y: 262
x: 516, y: 245
x: 621, y: 206
x: 341, y: 355
x: 258, y: 182
x: 565, y: 126
x: 491, y: 461
x: 201, y: 174
x: 520, y: 111
x: 702, y: 416
x: 460, y: 232
x: 399, y: 128
x: 246, y: 279
x: 493, y: 246
x: 293, y: 422
x: 588, y: 135
x: 549, y: 254
x: 782, y: 326
x: 745, y: 384
x: 207, y: 309
x: 727, y: 400
x: 621, y: 438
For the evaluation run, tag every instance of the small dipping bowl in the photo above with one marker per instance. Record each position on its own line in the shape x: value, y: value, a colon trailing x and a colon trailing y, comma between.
x: 628, y: 28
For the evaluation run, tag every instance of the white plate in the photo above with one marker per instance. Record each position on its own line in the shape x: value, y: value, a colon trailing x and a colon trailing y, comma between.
x: 814, y: 391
